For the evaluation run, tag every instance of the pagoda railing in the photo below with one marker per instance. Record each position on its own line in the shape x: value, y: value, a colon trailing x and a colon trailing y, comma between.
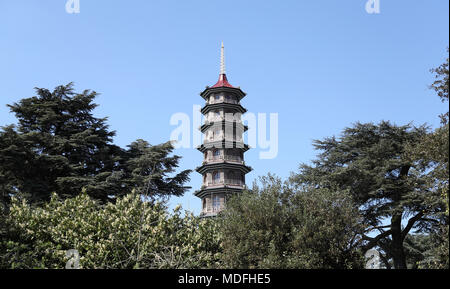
x: 234, y: 159
x: 212, y: 209
x: 212, y: 119
x: 219, y: 119
x: 221, y: 137
x: 222, y: 101
x: 226, y: 182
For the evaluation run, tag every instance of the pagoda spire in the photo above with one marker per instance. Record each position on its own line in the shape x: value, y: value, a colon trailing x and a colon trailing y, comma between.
x: 223, y: 81
x: 222, y: 60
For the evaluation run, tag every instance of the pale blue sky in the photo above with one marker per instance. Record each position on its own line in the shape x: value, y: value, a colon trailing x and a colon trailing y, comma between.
x: 321, y: 65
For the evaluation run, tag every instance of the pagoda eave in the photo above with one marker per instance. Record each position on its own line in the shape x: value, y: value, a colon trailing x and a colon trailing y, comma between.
x: 223, y: 123
x: 235, y: 90
x: 218, y: 190
x: 223, y: 165
x: 223, y: 144
x: 232, y: 106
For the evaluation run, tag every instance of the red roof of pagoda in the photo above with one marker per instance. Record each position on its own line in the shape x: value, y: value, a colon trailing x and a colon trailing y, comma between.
x: 223, y: 81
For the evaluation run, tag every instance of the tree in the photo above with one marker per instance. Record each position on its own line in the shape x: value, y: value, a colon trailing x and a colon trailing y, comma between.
x: 369, y: 161
x: 59, y: 146
x: 433, y: 149
x: 147, y: 169
x: 4, y: 230
x: 277, y: 226
x: 130, y: 233
x: 417, y: 250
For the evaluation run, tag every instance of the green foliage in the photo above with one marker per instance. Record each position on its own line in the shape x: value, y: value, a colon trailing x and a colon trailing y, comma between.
x: 3, y: 235
x: 370, y: 162
x: 437, y: 255
x: 441, y: 84
x: 426, y: 251
x: 417, y: 248
x: 59, y: 146
x: 276, y: 226
x: 434, y: 148
x: 128, y: 234
x: 147, y: 169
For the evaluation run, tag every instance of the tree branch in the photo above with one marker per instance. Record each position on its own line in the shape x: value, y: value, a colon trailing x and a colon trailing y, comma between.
x: 377, y: 228
x: 385, y: 260
x: 410, y: 224
x: 429, y: 220
x: 373, y: 241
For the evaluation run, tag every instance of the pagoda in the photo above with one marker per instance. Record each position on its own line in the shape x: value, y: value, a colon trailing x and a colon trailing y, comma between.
x: 223, y: 168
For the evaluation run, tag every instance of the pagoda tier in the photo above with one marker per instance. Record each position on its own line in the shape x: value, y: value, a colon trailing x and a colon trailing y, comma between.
x: 210, y: 90
x: 233, y: 107
x: 223, y: 167
x: 226, y: 125
x: 223, y: 144
x: 230, y: 163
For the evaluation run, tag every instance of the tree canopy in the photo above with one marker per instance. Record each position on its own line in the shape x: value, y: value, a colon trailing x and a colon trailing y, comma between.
x: 279, y: 226
x: 370, y: 162
x: 59, y: 146
x: 126, y: 234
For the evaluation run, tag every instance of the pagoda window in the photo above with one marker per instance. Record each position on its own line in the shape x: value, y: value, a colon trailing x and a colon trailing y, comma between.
x: 217, y: 133
x: 216, y: 154
x: 230, y: 99
x: 216, y: 177
x: 231, y: 178
x: 216, y: 202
